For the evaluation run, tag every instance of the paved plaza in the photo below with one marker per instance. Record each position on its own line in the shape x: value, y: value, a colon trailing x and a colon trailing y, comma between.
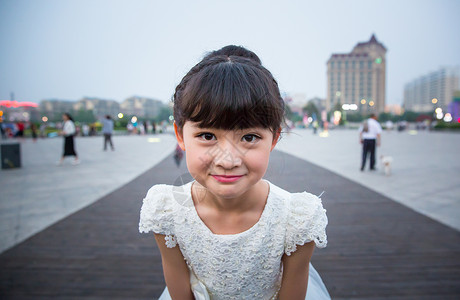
x: 78, y: 224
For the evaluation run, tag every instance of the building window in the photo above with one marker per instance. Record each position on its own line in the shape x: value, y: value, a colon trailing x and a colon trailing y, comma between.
x: 369, y: 64
x: 361, y: 64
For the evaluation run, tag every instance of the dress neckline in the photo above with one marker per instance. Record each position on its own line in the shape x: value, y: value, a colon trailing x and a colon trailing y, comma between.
x: 247, y: 231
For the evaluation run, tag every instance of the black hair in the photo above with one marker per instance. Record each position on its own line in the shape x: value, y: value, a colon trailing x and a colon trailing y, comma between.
x: 69, y: 116
x: 229, y: 92
x: 232, y: 50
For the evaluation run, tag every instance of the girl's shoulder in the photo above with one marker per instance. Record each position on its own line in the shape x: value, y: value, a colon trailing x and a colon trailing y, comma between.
x: 306, y: 218
x: 303, y: 202
x: 159, y: 207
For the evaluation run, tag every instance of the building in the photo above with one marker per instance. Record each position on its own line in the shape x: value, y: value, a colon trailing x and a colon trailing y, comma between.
x: 454, y: 107
x: 141, y: 107
x: 54, y: 108
x: 430, y: 91
x: 358, y: 77
x: 99, y: 107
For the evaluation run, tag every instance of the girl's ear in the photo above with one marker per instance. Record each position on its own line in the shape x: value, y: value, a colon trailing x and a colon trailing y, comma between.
x: 276, y: 138
x: 179, y: 137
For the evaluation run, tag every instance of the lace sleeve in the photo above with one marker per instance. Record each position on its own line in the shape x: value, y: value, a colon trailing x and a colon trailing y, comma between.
x: 157, y: 214
x: 306, y: 222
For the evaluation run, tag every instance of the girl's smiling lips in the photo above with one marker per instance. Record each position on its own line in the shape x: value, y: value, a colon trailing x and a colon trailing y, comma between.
x: 227, y: 178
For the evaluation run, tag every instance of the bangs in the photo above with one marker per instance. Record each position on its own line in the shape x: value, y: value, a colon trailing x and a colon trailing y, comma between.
x: 233, y: 94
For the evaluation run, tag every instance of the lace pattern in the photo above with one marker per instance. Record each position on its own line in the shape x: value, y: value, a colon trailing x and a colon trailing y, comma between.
x: 246, y: 265
x: 307, y: 222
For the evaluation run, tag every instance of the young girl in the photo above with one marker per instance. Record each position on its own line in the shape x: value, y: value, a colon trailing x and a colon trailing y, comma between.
x: 230, y: 234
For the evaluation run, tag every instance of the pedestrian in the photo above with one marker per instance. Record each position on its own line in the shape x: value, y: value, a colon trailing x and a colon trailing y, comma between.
x: 20, y: 129
x: 85, y: 129
x: 229, y: 234
x: 107, y: 131
x: 369, y: 136
x: 2, y: 130
x: 33, y: 129
x: 68, y: 132
x: 43, y: 130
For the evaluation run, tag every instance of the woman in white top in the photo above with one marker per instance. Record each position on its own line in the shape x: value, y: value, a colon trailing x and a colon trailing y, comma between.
x: 68, y: 131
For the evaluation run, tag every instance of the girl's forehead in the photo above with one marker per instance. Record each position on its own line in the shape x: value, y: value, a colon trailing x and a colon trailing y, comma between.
x: 196, y: 126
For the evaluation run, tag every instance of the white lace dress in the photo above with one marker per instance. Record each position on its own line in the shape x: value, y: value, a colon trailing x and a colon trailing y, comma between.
x: 246, y: 265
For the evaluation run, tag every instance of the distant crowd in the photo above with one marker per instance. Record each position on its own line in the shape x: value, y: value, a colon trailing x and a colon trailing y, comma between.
x: 22, y: 129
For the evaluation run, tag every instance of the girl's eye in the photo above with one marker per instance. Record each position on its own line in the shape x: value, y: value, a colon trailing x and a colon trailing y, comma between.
x: 250, y: 138
x: 207, y: 136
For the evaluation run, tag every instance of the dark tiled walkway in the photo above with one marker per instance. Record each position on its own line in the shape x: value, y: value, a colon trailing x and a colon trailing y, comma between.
x: 377, y: 248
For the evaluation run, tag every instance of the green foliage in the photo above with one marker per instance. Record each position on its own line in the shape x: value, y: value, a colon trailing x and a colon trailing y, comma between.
x: 354, y: 117
x: 164, y: 114
x: 441, y: 125
x: 84, y: 116
x: 311, y: 109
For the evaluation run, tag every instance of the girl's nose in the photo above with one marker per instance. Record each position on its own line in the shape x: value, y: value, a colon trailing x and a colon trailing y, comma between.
x: 228, y: 156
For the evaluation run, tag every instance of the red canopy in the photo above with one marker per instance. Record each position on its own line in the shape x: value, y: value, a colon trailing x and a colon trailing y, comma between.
x: 10, y: 103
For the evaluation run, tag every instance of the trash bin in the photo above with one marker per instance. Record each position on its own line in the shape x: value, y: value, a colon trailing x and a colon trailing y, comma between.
x: 10, y: 155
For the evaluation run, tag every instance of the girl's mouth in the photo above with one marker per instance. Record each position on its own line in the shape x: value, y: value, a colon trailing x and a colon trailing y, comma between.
x: 227, y: 178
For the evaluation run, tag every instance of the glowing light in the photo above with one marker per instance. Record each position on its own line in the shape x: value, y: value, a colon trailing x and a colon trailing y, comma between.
x: 120, y: 116
x: 44, y: 119
x: 25, y: 114
x: 413, y: 132
x: 371, y: 103
x: 337, y: 116
x: 434, y: 100
x: 134, y: 119
x: 378, y: 60
x: 458, y: 120
x: 439, y: 116
x: 363, y: 101
x: 438, y: 110
x: 447, y: 117
x: 171, y: 118
x: 349, y: 107
x: 1, y: 113
x: 310, y: 119
x: 324, y: 134
x: 338, y: 94
x: 153, y: 140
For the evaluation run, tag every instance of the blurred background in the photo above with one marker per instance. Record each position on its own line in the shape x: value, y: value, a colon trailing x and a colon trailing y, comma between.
x: 124, y: 58
x: 71, y: 232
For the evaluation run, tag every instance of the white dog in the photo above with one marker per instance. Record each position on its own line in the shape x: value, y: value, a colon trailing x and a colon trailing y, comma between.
x: 386, y: 163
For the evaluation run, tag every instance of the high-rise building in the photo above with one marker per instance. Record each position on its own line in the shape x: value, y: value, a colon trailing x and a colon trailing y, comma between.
x: 433, y: 90
x: 358, y: 77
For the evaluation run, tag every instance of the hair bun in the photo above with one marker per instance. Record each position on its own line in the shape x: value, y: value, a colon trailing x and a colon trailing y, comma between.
x: 232, y: 50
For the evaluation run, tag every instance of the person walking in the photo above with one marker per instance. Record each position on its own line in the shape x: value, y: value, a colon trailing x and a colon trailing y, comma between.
x: 107, y: 130
x: 68, y: 131
x: 370, y: 136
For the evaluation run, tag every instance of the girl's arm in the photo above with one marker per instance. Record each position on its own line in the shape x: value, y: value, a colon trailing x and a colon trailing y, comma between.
x: 295, y: 273
x: 175, y: 270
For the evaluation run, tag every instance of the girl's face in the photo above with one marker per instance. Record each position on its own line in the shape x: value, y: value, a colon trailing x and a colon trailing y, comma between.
x: 64, y: 117
x: 227, y: 162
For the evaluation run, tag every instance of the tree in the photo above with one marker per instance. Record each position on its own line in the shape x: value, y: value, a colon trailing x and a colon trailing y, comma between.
x: 311, y: 109
x: 164, y: 114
